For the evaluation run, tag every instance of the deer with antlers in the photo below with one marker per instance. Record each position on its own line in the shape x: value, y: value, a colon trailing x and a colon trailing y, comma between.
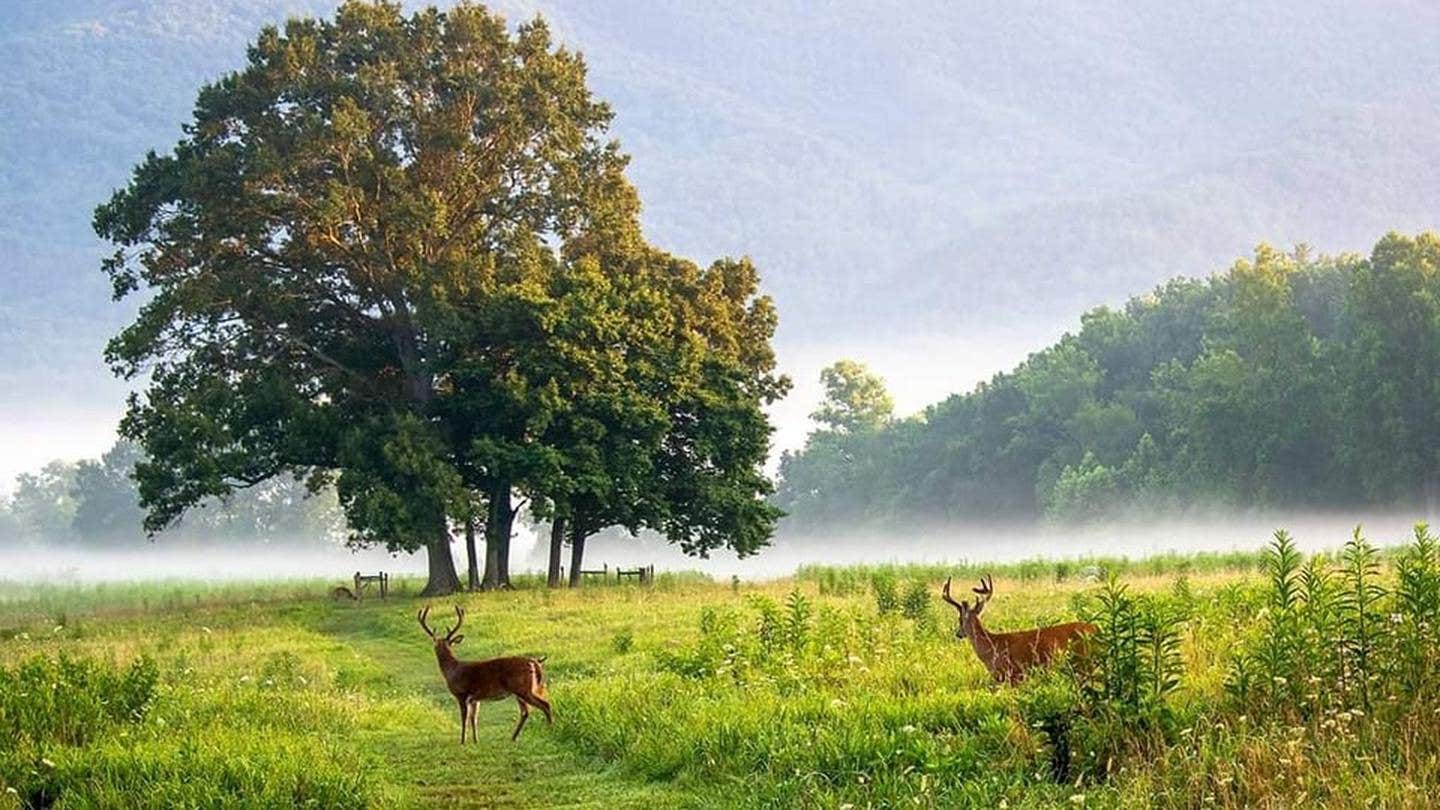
x: 1008, y: 656
x: 474, y: 681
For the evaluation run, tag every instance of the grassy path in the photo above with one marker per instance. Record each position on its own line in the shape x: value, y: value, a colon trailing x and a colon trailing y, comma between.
x: 427, y: 762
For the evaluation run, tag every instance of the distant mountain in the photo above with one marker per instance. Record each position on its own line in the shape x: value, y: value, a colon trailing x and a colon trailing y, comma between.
x: 913, y: 168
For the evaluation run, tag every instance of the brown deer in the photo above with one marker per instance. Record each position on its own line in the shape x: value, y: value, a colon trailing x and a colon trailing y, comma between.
x: 473, y: 681
x: 1009, y: 656
x: 341, y: 592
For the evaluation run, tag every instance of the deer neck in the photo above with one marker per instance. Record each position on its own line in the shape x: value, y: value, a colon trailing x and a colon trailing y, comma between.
x: 447, y: 659
x: 982, y: 642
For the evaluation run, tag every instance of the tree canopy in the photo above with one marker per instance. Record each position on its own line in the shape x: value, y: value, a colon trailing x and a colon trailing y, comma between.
x: 1289, y: 380
x: 399, y: 253
x: 855, y: 398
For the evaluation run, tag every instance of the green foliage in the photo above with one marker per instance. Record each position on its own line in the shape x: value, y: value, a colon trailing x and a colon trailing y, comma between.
x: 1083, y: 492
x: 43, y: 504
x: 69, y: 701
x: 915, y: 603
x: 887, y: 592
x: 1417, y: 594
x: 1362, y: 617
x: 1288, y: 380
x: 80, y: 733
x: 1336, y: 643
x: 1135, y: 662
x: 851, y: 579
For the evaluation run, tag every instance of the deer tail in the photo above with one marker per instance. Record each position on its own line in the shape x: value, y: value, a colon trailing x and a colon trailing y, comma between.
x: 539, y: 671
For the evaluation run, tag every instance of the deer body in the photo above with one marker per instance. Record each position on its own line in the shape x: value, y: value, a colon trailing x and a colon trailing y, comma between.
x: 1008, y: 656
x: 474, y: 682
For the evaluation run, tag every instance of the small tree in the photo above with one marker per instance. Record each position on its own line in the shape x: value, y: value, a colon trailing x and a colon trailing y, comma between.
x: 855, y: 399
x: 106, y: 503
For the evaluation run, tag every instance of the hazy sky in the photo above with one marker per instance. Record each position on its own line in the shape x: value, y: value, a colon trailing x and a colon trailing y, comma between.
x: 935, y: 188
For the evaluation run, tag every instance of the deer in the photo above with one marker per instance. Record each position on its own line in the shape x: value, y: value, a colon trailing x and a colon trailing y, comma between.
x: 341, y: 592
x: 1009, y: 656
x: 474, y: 681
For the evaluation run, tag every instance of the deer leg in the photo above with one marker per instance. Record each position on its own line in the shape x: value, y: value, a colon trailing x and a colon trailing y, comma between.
x: 464, y: 710
x: 524, y: 715
x: 474, y: 710
x: 540, y: 703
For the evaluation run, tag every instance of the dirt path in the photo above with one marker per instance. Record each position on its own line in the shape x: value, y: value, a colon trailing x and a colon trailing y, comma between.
x: 433, y: 770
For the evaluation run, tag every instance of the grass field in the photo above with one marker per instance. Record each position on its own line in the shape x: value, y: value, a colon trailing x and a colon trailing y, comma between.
x: 834, y: 688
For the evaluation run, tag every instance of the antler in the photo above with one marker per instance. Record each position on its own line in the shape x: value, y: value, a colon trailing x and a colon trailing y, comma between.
x: 985, y: 591
x: 945, y: 594
x: 459, y: 620
x: 421, y: 616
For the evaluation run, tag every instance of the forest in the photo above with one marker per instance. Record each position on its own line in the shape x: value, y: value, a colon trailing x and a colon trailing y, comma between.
x: 1289, y: 380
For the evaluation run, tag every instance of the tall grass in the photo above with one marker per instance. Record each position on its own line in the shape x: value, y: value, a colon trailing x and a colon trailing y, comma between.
x: 848, y: 692
x: 77, y: 732
x: 851, y: 579
x: 1255, y: 680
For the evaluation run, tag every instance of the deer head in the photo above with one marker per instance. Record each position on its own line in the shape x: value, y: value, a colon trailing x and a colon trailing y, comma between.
x: 450, y: 639
x: 969, y: 614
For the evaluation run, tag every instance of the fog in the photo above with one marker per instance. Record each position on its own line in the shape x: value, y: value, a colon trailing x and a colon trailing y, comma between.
x: 158, y: 561
x: 1313, y: 531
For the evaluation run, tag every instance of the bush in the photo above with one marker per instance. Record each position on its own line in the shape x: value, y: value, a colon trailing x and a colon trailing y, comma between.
x: 887, y: 593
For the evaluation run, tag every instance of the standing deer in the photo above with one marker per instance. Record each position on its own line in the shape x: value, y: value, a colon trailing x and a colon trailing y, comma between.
x: 1009, y: 656
x: 473, y: 681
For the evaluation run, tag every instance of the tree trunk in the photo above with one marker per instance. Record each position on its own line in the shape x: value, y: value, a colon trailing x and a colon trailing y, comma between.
x: 577, y: 555
x: 507, y: 533
x: 497, y: 537
x: 443, y: 579
x: 557, y: 545
x: 474, y: 583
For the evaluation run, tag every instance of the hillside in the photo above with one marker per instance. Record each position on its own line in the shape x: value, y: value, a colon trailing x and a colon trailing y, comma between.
x: 1290, y: 381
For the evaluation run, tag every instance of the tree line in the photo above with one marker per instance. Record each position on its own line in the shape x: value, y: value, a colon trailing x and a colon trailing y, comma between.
x: 1291, y: 379
x: 398, y: 256
x: 94, y: 503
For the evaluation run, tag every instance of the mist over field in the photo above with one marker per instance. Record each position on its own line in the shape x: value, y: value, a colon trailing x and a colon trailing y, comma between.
x: 1313, y: 531
x: 271, y: 561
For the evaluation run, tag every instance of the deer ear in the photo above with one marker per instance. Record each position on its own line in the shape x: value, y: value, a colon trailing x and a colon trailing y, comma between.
x: 455, y: 642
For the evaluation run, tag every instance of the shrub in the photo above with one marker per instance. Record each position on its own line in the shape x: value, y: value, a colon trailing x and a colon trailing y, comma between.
x: 915, y: 604
x: 887, y: 594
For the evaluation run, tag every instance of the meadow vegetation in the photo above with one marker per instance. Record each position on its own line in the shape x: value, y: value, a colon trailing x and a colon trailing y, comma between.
x: 1234, y: 680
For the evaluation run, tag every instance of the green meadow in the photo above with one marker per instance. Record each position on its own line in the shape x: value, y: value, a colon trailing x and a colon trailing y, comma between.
x: 1236, y: 680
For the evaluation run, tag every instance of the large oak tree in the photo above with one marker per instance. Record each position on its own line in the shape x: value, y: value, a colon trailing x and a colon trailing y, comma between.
x: 399, y: 253
x: 345, y: 218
